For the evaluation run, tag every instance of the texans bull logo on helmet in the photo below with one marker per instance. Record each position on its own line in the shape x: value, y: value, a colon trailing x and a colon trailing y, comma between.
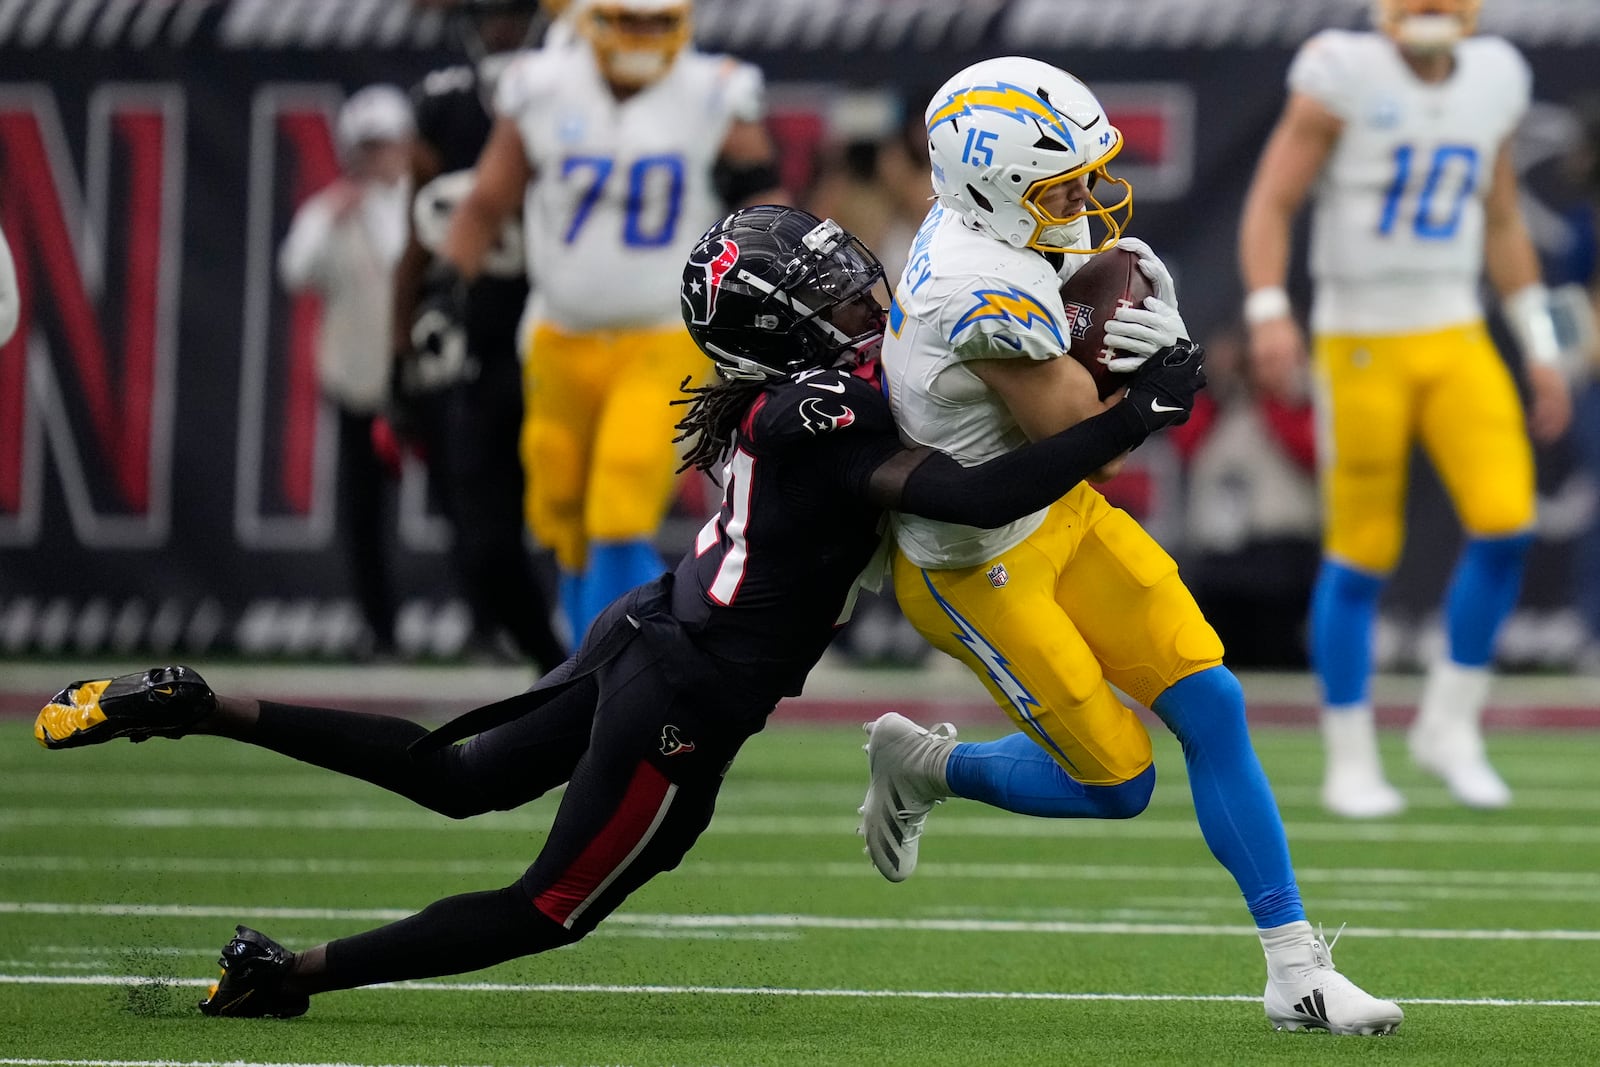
x: 715, y: 259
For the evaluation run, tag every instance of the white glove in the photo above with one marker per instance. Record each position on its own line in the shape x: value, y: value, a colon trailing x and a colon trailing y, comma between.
x: 1138, y: 333
x: 1151, y: 267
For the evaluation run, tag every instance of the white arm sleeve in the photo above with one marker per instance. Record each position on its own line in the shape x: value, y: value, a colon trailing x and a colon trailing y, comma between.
x: 1325, y: 70
x: 10, y: 300
x: 305, y: 250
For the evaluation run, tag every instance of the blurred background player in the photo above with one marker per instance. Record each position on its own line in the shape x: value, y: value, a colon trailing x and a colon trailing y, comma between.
x: 343, y: 245
x: 1407, y: 129
x: 457, y: 348
x: 623, y: 148
x: 1054, y: 609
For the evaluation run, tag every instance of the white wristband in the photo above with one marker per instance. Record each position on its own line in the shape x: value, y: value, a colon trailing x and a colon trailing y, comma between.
x: 1527, y: 313
x: 1264, y: 305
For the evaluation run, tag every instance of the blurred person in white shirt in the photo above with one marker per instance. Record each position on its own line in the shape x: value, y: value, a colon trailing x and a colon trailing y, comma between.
x: 343, y: 245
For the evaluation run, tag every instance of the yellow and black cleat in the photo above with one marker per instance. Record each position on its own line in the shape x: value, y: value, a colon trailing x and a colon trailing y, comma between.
x: 254, y: 969
x: 161, y: 702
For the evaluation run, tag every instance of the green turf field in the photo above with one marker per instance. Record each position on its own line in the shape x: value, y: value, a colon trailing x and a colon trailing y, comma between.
x: 1020, y: 941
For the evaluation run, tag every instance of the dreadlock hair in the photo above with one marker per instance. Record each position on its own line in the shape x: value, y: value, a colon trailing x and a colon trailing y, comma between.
x: 714, y: 413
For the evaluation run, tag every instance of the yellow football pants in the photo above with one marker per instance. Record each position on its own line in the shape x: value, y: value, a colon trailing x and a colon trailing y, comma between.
x: 1088, y: 601
x: 597, y: 433
x: 1449, y: 390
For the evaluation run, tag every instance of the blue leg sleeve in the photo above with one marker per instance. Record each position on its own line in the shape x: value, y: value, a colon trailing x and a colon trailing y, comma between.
x: 1237, y: 812
x: 615, y: 567
x: 569, y: 588
x: 1482, y: 593
x: 1014, y: 773
x: 1344, y: 604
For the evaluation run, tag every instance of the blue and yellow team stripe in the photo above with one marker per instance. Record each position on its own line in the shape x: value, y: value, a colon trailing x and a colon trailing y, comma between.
x: 1014, y: 304
x: 1012, y: 101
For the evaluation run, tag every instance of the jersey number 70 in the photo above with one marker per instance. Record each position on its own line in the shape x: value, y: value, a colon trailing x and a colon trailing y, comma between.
x: 654, y: 197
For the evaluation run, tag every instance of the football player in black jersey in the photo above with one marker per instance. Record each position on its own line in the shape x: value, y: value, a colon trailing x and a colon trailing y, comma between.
x: 676, y: 675
x: 458, y: 380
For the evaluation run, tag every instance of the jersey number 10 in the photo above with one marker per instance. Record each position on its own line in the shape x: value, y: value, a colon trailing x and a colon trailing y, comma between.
x: 1452, y: 178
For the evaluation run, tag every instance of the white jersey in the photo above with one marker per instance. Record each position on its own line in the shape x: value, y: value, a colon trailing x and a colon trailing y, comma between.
x: 621, y: 191
x: 1397, y: 240
x: 965, y: 296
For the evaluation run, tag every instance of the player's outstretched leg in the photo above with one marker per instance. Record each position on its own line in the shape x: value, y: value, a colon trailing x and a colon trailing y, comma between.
x: 254, y: 969
x: 160, y: 702
x: 906, y: 765
x: 1305, y: 992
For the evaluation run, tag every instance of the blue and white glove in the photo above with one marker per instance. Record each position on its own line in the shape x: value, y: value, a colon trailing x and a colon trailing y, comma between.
x: 1137, y: 333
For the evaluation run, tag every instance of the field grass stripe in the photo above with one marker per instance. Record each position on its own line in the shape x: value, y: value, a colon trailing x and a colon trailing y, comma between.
x: 374, y: 819
x: 1517, y: 881
x: 796, y: 922
x: 175, y: 1063
x: 779, y: 991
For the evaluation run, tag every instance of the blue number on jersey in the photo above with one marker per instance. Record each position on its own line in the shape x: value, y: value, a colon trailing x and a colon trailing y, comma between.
x: 1452, y: 178
x: 655, y: 197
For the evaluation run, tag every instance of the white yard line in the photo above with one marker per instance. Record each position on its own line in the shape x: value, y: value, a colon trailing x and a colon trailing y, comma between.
x: 796, y: 922
x: 1397, y: 887
x: 374, y: 819
x: 768, y: 991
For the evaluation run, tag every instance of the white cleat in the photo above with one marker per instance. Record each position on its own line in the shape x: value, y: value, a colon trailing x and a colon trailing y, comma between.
x: 1304, y: 992
x: 1358, y: 792
x: 1457, y: 758
x: 906, y: 763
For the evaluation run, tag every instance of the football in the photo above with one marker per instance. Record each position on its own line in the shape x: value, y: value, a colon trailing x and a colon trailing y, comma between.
x: 1111, y: 279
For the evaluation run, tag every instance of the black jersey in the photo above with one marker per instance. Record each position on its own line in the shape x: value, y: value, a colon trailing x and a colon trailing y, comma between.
x: 453, y: 118
x: 772, y: 574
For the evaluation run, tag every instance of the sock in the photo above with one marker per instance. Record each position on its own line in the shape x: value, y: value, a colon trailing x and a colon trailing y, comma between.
x: 457, y: 934
x: 1483, y: 591
x: 1233, y: 802
x: 1454, y: 697
x: 1344, y: 605
x: 1014, y: 773
x: 1350, y: 737
x: 1286, y: 945
x: 615, y: 567
x: 372, y: 748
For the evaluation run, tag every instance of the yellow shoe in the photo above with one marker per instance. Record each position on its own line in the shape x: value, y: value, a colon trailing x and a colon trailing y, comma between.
x: 161, y: 702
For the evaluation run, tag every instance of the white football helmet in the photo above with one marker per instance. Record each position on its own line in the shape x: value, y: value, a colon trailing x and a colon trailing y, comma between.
x: 635, y: 41
x: 1426, y: 25
x: 1004, y: 132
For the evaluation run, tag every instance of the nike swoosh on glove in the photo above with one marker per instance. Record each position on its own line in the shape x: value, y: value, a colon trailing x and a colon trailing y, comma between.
x: 1163, y: 390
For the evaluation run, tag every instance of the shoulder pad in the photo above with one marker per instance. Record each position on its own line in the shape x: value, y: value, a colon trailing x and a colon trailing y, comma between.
x: 817, y: 404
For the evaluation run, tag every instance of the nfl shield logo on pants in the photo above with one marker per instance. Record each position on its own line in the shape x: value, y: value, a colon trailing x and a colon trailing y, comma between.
x: 998, y: 576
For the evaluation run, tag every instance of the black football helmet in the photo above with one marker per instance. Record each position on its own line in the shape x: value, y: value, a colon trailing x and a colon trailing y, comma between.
x: 765, y: 294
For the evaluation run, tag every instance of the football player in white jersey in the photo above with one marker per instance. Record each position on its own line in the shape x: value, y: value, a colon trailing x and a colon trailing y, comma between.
x: 1407, y: 130
x: 1055, y: 609
x: 619, y: 153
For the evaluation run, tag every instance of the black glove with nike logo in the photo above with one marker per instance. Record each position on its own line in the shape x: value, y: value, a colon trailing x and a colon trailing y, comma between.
x: 1163, y: 389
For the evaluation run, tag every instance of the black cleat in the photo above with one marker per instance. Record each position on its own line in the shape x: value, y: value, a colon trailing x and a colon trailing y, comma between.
x: 254, y: 968
x: 160, y: 702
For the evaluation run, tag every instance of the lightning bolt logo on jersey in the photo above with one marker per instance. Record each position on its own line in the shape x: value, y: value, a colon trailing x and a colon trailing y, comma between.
x: 1011, y: 101
x: 1009, y: 305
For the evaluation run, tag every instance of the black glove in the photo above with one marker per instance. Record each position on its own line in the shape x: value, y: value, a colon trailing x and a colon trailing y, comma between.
x: 437, y: 356
x: 1164, y: 387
